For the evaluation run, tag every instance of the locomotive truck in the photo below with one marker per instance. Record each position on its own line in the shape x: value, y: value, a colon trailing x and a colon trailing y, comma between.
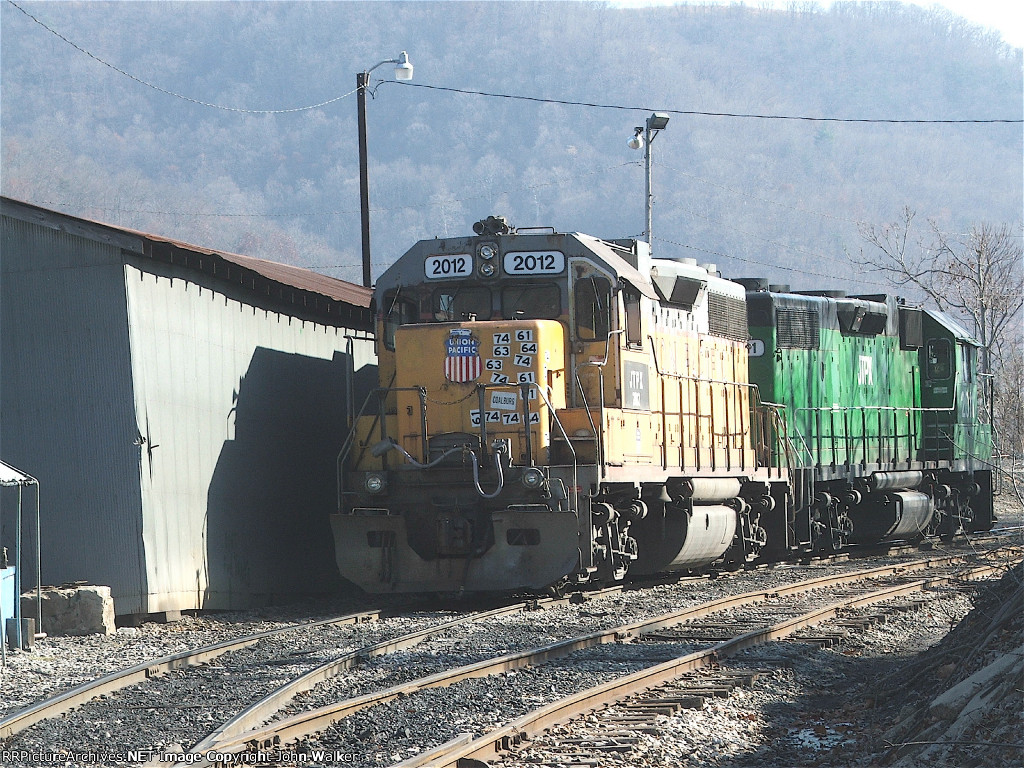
x: 555, y: 408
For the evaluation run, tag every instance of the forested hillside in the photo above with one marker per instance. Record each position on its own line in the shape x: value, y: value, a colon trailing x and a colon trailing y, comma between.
x: 772, y: 197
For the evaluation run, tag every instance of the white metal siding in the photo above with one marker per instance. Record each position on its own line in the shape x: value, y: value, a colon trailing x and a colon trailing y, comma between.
x: 183, y: 438
x: 66, y: 405
x: 242, y: 410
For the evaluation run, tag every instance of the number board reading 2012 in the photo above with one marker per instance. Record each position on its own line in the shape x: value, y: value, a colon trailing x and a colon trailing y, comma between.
x: 533, y: 262
x: 443, y: 267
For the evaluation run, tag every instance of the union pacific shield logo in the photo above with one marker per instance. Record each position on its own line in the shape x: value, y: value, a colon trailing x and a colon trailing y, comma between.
x: 462, y: 361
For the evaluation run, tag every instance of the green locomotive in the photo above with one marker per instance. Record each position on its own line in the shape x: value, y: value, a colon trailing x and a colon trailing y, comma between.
x: 882, y: 428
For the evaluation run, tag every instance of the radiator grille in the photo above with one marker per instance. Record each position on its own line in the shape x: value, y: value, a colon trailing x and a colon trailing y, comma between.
x: 727, y: 316
x: 797, y: 329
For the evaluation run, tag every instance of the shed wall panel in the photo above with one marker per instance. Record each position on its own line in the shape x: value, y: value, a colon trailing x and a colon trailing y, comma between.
x: 66, y: 404
x: 242, y: 410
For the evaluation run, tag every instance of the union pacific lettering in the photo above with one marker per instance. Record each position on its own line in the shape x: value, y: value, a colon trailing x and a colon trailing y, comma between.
x: 462, y: 362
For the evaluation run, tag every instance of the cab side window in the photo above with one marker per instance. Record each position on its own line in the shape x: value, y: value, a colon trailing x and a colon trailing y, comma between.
x: 592, y: 304
x: 937, y: 359
x: 397, y: 311
x: 968, y: 361
x: 631, y: 300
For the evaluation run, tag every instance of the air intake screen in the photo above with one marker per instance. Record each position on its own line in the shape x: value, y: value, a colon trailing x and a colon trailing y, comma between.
x: 797, y: 329
x: 727, y: 316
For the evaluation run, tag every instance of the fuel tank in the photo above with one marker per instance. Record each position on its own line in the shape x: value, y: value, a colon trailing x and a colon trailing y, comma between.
x: 679, y: 538
x: 891, y: 516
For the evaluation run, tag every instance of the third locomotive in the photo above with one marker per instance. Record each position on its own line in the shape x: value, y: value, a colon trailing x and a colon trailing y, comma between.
x: 557, y: 408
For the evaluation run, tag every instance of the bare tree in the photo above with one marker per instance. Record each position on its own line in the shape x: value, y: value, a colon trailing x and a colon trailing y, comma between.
x: 1009, y: 403
x: 977, y: 275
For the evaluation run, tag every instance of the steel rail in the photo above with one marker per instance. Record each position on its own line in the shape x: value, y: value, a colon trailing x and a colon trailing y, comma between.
x: 558, y: 712
x: 115, y: 681
x: 260, y: 711
x: 305, y: 723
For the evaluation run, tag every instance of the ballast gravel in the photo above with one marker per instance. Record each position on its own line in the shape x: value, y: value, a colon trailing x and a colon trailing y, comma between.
x: 806, y: 709
x: 371, y: 737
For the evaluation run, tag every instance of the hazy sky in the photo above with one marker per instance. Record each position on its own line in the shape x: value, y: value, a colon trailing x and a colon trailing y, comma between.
x: 1007, y: 16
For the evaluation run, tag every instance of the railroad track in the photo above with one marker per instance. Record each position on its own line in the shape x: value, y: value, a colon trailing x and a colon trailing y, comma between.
x: 115, y: 681
x: 616, y: 711
x: 302, y: 671
x: 676, y: 654
x: 292, y: 664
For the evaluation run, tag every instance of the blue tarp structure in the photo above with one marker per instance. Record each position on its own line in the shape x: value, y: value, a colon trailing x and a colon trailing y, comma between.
x: 11, y: 477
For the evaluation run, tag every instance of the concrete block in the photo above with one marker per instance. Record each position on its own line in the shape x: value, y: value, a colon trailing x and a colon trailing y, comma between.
x: 85, y: 610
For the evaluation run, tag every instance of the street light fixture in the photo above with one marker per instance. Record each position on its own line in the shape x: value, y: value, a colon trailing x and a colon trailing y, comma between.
x: 643, y: 136
x: 403, y: 71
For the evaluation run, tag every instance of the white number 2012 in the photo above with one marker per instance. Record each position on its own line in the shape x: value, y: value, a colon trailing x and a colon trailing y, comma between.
x: 441, y: 267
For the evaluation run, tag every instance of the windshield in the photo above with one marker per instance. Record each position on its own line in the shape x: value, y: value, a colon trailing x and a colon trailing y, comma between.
x: 461, y: 302
x: 530, y: 302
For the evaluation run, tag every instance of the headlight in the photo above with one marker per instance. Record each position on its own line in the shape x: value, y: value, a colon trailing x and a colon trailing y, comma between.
x: 487, y: 251
x: 374, y: 483
x: 487, y: 269
x: 533, y: 478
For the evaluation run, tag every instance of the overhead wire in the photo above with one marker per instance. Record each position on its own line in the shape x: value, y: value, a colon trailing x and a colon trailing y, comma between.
x: 535, y: 99
x: 176, y: 95
x: 516, y: 97
x: 724, y: 226
x: 699, y: 113
x: 373, y: 209
x: 760, y: 199
x: 831, y: 276
x: 718, y: 223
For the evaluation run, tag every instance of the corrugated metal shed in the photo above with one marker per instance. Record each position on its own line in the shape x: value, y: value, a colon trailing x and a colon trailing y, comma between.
x: 315, y: 293
x: 183, y: 407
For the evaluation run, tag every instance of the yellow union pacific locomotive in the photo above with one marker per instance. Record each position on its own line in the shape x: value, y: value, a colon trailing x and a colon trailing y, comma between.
x: 553, y: 407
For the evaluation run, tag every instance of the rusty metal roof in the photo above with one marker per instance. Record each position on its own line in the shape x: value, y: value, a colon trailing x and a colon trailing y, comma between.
x: 286, y: 274
x: 179, y: 252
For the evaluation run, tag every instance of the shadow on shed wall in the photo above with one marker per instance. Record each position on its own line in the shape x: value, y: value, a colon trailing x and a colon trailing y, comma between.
x: 274, y: 486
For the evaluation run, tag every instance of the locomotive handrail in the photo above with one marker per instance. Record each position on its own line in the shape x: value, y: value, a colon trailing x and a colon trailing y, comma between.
x: 787, y: 456
x: 697, y: 380
x: 524, y: 387
x: 552, y: 414
x: 568, y: 442
x: 805, y: 448
x: 875, y: 408
x: 893, y: 435
x: 346, y: 447
x: 598, y: 432
x: 380, y: 393
x: 704, y: 380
